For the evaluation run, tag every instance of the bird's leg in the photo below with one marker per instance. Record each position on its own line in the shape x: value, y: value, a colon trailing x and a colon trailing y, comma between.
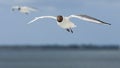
x: 68, y: 30
x: 71, y: 30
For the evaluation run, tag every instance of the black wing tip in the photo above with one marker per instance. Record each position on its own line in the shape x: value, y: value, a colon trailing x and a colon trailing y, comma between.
x: 107, y: 23
x: 83, y: 15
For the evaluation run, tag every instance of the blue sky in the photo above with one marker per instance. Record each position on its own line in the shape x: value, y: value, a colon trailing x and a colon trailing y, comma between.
x: 14, y: 30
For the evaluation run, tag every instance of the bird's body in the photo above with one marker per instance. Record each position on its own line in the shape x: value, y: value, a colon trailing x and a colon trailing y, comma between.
x: 23, y: 9
x: 65, y: 23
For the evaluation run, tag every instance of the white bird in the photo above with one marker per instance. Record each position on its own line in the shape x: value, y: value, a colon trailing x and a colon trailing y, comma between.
x: 23, y: 9
x: 65, y: 23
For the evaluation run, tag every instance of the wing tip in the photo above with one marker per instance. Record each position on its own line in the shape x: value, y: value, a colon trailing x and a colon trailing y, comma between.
x: 29, y: 22
x: 107, y: 23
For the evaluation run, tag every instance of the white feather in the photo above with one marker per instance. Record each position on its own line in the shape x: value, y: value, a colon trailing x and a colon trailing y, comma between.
x: 36, y: 18
x: 88, y: 18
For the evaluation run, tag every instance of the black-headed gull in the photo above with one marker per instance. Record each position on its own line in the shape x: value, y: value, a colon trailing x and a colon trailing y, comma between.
x: 65, y: 23
x: 23, y: 9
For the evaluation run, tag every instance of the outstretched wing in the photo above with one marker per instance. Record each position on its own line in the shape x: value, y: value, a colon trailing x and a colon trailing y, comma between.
x: 15, y: 7
x: 36, y: 18
x: 88, y: 18
x: 31, y: 8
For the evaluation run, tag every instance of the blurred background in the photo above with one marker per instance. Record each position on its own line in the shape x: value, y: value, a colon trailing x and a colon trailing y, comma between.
x: 43, y: 44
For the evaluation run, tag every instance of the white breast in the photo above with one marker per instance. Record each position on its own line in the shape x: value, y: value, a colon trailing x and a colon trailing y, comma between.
x: 24, y: 10
x: 66, y: 23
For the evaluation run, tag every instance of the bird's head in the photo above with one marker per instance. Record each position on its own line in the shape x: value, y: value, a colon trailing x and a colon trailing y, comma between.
x: 16, y: 8
x: 59, y: 18
x: 19, y: 8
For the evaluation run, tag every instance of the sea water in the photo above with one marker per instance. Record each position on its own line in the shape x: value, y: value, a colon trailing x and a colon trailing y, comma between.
x: 59, y: 58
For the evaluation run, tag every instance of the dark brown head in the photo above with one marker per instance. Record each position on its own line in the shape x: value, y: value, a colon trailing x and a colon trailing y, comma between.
x: 19, y: 8
x: 59, y: 18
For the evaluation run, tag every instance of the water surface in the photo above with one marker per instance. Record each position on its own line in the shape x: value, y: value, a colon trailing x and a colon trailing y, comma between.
x: 59, y: 58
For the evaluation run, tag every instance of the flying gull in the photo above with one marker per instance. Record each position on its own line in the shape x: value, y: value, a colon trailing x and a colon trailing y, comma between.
x: 65, y: 23
x: 24, y: 9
